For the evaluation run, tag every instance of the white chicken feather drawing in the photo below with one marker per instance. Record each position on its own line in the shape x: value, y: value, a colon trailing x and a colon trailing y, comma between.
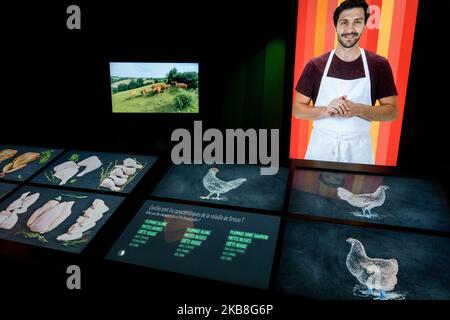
x: 366, y: 201
x: 216, y: 186
x: 377, y: 275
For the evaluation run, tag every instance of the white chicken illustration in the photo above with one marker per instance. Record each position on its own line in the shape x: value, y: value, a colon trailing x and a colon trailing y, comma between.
x: 375, y: 274
x: 366, y: 201
x: 215, y: 185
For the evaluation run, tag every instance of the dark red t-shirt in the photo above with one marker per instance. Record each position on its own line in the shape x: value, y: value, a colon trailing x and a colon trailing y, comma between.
x: 381, y: 77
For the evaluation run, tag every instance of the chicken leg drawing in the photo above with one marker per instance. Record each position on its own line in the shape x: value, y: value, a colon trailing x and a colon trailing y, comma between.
x: 366, y: 201
x: 376, y: 275
x: 215, y: 185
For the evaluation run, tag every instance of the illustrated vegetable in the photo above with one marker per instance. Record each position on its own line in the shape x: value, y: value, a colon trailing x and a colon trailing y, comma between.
x: 45, y: 156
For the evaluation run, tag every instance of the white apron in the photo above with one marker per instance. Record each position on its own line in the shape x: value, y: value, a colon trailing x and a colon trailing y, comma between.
x: 342, y: 139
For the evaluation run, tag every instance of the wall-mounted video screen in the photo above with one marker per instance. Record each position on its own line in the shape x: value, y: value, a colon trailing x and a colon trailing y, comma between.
x: 397, y: 201
x: 55, y: 219
x: 144, y: 87
x: 115, y: 172
x: 18, y: 163
x: 351, y: 71
x: 229, y: 246
x: 234, y: 185
x: 5, y: 188
x: 333, y: 262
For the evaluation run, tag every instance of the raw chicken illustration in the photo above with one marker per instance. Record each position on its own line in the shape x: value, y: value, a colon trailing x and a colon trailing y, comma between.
x: 49, y: 216
x: 375, y: 274
x: 118, y: 172
x: 118, y: 181
x: 21, y: 205
x: 128, y: 162
x: 20, y: 162
x: 109, y: 183
x: 8, y: 220
x: 86, y: 221
x: 7, y: 153
x: 66, y: 170
x: 47, y: 206
x: 91, y: 164
x: 9, y: 217
x: 127, y: 170
x: 119, y: 176
x: 366, y: 201
x: 215, y: 185
x: 65, y: 165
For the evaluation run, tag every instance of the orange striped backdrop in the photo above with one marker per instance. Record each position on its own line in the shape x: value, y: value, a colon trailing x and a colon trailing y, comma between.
x: 393, y: 40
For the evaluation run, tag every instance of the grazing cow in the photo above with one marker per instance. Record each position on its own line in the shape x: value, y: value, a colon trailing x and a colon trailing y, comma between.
x: 158, y: 87
x: 133, y: 94
x: 144, y: 92
x: 181, y: 85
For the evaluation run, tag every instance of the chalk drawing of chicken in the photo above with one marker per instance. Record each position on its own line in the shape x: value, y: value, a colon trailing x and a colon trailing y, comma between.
x: 377, y: 276
x: 366, y: 201
x: 216, y: 186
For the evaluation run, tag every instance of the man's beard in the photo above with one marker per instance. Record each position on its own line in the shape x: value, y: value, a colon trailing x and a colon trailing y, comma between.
x: 352, y: 44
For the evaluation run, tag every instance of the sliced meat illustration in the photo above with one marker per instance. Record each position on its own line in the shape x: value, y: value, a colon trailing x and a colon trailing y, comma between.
x: 69, y: 237
x: 46, y: 207
x: 21, y: 162
x: 27, y: 202
x: 118, y: 172
x: 65, y: 165
x: 15, y: 205
x: 118, y: 177
x: 128, y: 162
x: 98, y: 208
x: 109, y: 183
x: 65, y: 174
x: 65, y: 171
x: 52, y: 218
x: 4, y: 215
x: 9, y: 217
x: 85, y: 222
x: 118, y: 181
x: 129, y: 171
x: 8, y: 220
x: 7, y: 153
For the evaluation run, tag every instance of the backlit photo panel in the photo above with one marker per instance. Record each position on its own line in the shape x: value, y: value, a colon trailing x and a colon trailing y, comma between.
x: 389, y: 33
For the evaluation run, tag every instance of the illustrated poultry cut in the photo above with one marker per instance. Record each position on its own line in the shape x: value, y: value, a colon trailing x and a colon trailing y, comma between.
x: 366, y: 201
x: 7, y: 153
x: 121, y: 174
x: 375, y: 274
x: 9, y: 217
x: 215, y: 185
x: 66, y: 170
x: 86, y: 221
x: 50, y: 216
x: 20, y: 162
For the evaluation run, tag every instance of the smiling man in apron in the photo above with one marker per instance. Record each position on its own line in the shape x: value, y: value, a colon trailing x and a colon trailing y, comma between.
x: 344, y: 85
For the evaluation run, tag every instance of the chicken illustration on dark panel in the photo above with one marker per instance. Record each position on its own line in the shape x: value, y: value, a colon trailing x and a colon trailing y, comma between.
x: 216, y: 186
x: 366, y: 201
x: 117, y: 178
x: 18, y: 163
x: 378, y: 277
